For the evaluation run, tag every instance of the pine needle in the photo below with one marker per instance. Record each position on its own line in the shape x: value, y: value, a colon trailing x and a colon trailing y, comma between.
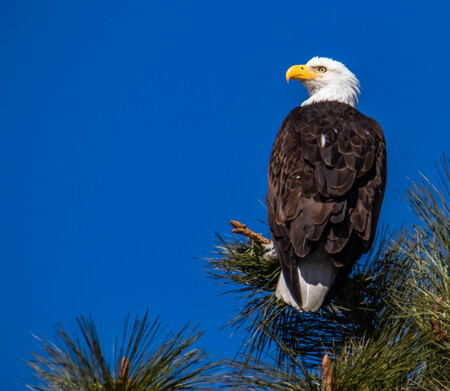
x: 149, y: 359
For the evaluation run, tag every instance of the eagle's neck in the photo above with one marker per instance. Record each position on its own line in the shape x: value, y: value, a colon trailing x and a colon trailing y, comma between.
x: 344, y: 93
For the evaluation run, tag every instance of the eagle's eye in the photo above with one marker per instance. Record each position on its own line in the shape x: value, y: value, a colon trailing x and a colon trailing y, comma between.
x: 321, y: 69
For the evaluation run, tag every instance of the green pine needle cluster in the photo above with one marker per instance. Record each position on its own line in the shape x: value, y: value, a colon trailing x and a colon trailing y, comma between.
x: 149, y: 358
x: 271, y: 324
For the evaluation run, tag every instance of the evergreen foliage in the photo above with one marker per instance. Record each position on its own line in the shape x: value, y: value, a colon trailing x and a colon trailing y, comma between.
x: 271, y: 323
x: 149, y: 358
x: 387, y: 329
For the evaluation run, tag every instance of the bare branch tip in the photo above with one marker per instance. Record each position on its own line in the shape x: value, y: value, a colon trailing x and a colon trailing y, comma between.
x: 242, y: 229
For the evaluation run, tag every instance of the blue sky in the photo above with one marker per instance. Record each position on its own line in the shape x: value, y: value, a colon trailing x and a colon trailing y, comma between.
x: 131, y: 131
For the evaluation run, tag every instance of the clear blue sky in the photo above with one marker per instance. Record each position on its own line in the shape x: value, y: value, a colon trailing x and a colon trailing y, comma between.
x: 132, y: 130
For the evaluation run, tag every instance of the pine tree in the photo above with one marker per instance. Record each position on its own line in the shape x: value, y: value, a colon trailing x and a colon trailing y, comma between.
x: 388, y: 329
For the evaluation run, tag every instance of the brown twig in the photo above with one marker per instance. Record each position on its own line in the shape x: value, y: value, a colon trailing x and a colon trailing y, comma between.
x: 240, y: 228
x: 327, y: 373
x: 123, y: 370
x: 438, y: 330
x: 328, y: 383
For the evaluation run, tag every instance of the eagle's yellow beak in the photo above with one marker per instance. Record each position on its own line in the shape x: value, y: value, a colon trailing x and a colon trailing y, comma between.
x: 300, y: 72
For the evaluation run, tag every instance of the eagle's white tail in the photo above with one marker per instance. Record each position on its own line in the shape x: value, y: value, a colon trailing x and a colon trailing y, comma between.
x: 283, y: 292
x: 316, y: 274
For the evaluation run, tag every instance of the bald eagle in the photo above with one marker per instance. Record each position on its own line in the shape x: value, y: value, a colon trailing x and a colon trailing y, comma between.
x: 326, y: 181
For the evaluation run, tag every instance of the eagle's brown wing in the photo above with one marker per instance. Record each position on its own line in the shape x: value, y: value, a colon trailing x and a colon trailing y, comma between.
x: 327, y: 175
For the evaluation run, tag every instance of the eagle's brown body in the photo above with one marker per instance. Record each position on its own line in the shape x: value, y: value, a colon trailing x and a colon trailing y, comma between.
x: 327, y: 175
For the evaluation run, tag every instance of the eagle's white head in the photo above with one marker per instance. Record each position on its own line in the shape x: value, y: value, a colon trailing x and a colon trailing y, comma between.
x: 326, y: 79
